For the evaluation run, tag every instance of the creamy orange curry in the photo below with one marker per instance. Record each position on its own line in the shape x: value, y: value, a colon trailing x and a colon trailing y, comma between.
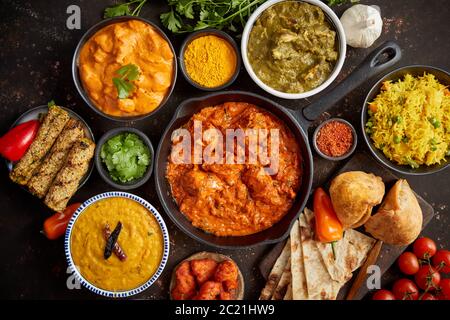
x: 120, y: 44
x: 237, y: 199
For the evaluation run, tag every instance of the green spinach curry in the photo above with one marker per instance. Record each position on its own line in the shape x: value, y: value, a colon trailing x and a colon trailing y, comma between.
x: 292, y: 47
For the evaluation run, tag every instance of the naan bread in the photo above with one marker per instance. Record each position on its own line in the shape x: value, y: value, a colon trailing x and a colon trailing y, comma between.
x: 350, y: 251
x: 353, y: 195
x: 299, y: 289
x: 399, y: 219
x: 276, y: 272
x: 320, y: 285
x: 288, y: 295
x: 283, y: 284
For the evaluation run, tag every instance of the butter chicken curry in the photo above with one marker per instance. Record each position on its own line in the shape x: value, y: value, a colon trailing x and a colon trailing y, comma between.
x: 236, y: 199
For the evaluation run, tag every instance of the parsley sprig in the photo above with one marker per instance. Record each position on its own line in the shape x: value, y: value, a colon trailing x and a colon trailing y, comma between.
x: 231, y: 15
x: 123, y: 84
x: 191, y: 15
x: 130, y: 8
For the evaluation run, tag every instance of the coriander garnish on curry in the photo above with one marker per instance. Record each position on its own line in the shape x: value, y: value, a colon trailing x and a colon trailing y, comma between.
x: 140, y: 238
x: 292, y: 47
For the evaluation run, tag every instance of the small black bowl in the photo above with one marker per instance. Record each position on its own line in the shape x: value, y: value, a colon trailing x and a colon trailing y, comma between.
x: 76, y: 76
x: 344, y: 156
x: 203, y: 33
x: 103, y: 171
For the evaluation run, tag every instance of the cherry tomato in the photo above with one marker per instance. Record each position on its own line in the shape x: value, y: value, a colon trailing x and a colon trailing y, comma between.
x: 441, y: 261
x: 405, y: 289
x: 445, y: 287
x: 424, y: 248
x: 408, y: 263
x: 427, y: 277
x: 383, y: 295
x: 428, y: 296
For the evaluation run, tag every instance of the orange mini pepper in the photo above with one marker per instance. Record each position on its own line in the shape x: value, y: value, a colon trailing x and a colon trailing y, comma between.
x: 328, y: 226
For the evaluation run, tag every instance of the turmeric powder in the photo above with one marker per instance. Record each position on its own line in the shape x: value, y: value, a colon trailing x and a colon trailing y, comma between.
x: 210, y: 61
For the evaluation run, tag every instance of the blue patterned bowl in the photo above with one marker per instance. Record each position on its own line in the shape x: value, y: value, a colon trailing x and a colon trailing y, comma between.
x: 86, y: 283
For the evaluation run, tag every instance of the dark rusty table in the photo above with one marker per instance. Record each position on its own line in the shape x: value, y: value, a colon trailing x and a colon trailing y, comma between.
x: 35, y: 58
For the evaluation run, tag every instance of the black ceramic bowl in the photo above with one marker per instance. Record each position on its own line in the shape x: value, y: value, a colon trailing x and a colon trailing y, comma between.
x: 103, y: 171
x: 415, y: 70
x: 76, y: 76
x: 203, y: 33
x: 344, y: 156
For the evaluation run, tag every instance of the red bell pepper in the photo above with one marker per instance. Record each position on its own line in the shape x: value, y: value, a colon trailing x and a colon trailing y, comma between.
x: 55, y: 226
x: 16, y: 141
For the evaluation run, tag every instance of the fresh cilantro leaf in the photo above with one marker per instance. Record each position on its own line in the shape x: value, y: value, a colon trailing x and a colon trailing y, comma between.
x: 204, y: 14
x: 123, y: 87
x: 201, y: 25
x: 117, y: 10
x: 51, y: 103
x: 124, y: 9
x: 171, y: 21
x: 130, y: 71
x: 207, y: 14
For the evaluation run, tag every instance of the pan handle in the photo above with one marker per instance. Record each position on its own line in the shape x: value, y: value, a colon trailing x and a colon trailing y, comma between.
x: 383, y: 57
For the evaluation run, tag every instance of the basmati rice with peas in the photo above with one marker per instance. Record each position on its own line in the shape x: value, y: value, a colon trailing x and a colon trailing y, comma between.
x: 409, y: 121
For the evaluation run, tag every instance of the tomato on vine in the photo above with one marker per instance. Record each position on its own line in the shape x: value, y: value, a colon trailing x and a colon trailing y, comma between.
x: 408, y: 263
x: 427, y: 278
x: 441, y: 261
x: 424, y: 248
x: 405, y: 289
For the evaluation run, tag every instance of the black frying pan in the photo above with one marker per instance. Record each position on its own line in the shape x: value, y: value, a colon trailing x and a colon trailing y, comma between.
x: 417, y: 70
x: 380, y: 59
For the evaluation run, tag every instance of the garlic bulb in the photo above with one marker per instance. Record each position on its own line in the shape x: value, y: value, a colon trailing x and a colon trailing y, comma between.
x: 362, y: 25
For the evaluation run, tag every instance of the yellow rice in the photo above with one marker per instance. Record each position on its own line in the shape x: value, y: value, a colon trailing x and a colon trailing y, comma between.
x: 410, y: 121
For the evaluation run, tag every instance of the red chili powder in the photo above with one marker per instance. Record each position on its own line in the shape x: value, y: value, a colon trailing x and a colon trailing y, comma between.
x: 335, y: 139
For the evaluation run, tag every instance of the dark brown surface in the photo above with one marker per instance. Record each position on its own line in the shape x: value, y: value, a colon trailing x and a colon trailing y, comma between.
x: 388, y: 253
x: 35, y: 60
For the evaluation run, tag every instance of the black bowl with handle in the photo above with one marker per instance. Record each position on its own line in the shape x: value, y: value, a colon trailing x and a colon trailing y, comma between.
x: 296, y: 120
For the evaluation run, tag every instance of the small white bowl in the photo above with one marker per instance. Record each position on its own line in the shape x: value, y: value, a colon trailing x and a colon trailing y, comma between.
x: 342, y: 48
x: 86, y: 283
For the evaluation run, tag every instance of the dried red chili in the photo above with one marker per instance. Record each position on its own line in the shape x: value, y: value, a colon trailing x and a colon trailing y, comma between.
x: 117, y: 249
x: 335, y: 139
